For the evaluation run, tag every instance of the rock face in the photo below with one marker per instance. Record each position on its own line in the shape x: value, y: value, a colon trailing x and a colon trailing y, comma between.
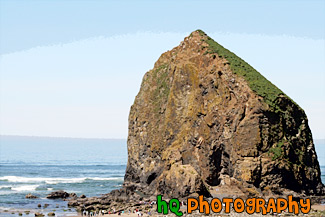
x: 204, y: 118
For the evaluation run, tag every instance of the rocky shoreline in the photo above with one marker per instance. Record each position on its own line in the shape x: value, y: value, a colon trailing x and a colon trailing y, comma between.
x: 119, y: 203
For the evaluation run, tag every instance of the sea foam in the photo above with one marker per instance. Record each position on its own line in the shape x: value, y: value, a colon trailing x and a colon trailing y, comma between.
x: 50, y: 180
x: 5, y: 186
x: 25, y: 188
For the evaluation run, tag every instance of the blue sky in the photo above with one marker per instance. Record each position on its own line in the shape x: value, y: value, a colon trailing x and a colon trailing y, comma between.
x: 73, y: 68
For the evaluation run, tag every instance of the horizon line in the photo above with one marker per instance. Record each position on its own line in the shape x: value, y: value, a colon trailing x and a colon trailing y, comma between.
x: 60, y: 137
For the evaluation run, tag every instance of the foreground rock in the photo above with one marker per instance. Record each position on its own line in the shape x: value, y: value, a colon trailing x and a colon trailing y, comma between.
x: 116, y: 201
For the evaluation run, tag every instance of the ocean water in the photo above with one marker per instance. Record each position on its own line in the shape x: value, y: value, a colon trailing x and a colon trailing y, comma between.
x: 41, y: 165
x: 320, y: 151
x: 85, y: 166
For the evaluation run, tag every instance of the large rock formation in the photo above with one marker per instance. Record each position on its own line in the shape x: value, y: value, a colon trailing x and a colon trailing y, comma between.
x: 204, y: 117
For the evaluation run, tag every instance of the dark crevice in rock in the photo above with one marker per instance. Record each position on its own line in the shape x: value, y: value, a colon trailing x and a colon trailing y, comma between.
x: 151, y: 177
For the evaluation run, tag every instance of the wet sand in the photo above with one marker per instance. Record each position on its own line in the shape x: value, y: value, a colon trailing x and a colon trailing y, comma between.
x: 318, y: 207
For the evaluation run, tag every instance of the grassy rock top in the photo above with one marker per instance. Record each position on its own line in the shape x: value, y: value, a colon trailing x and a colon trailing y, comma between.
x: 257, y: 82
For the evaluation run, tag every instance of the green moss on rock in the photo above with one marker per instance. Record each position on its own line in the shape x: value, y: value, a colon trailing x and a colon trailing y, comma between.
x: 257, y: 82
x: 160, y: 80
x: 277, y: 151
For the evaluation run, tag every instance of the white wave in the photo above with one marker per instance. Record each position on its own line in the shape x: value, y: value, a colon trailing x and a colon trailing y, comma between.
x: 25, y: 188
x: 41, y: 179
x: 54, y: 180
x: 50, y: 189
x: 5, y: 192
x: 5, y: 186
x: 64, y: 180
x: 105, y: 179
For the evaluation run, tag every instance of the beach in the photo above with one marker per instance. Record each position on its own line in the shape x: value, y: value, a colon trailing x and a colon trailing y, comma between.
x: 317, y: 210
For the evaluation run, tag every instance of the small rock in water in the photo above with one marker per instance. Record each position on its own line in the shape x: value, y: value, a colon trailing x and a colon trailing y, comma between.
x: 51, y: 214
x: 58, y: 194
x: 46, y: 205
x: 82, y: 196
x: 20, y: 214
x: 30, y: 196
x: 39, y: 214
x: 39, y: 205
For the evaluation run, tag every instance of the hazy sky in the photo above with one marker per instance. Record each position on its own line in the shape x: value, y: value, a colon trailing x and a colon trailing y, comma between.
x: 73, y: 68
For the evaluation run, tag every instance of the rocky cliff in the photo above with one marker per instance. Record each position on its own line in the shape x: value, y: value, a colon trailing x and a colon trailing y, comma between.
x: 204, y: 119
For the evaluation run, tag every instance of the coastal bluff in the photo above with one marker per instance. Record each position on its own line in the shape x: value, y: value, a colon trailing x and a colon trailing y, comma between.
x: 205, y: 121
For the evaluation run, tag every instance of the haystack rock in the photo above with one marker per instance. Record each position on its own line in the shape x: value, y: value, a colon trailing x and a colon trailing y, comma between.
x: 205, y: 121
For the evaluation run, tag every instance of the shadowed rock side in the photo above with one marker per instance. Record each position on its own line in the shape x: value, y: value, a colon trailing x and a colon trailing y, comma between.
x: 203, y: 118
